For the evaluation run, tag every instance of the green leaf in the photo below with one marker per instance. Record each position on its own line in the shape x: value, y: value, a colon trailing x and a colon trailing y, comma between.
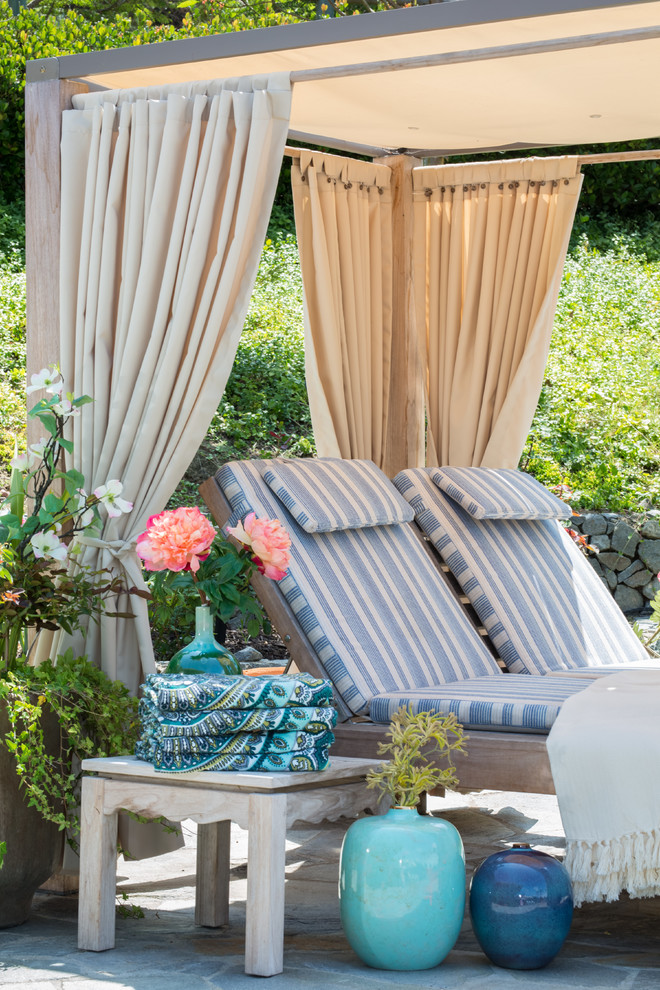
x: 52, y: 503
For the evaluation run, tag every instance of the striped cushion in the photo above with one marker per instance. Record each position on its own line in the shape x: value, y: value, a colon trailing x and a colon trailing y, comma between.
x: 499, y: 493
x: 542, y: 603
x: 326, y: 495
x: 370, y: 601
x: 509, y: 703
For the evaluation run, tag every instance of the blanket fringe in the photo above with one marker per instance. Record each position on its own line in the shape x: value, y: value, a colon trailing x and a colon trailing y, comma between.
x: 601, y: 870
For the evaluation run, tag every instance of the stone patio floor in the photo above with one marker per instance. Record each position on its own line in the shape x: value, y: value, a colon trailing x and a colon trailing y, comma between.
x: 610, y: 945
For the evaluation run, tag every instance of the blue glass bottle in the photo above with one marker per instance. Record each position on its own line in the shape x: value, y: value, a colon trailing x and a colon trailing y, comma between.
x: 521, y: 905
x: 203, y: 655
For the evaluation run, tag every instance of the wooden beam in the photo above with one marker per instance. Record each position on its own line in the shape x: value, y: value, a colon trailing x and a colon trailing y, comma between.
x: 498, y: 761
x: 612, y: 157
x: 44, y: 103
x: 476, y: 55
x: 405, y: 428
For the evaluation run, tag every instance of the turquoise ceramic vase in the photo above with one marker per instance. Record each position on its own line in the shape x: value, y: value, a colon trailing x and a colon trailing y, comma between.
x: 402, y: 889
x: 521, y: 904
x: 203, y: 655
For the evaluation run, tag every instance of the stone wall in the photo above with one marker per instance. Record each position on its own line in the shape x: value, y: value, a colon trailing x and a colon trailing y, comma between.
x: 628, y: 558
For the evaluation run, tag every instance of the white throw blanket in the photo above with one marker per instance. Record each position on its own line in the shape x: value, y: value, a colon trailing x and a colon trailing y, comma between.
x: 605, y: 757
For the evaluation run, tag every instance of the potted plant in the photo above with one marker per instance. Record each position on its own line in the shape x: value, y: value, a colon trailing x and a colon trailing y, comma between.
x: 193, y: 565
x: 56, y: 713
x: 402, y: 875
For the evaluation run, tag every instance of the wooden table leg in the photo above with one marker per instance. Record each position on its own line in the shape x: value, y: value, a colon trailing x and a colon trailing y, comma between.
x: 264, y: 927
x: 98, y: 869
x: 212, y: 892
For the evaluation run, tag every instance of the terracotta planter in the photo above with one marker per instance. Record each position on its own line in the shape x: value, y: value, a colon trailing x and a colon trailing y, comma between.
x: 34, y: 846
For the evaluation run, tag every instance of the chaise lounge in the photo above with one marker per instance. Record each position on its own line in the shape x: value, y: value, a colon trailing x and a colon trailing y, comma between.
x: 544, y: 607
x: 365, y: 604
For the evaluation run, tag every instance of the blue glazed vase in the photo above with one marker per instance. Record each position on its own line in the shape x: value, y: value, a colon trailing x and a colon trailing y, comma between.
x: 402, y: 889
x: 521, y: 905
x: 203, y: 655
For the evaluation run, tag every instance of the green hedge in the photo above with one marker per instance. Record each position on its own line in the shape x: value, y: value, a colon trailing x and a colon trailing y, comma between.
x: 597, y: 426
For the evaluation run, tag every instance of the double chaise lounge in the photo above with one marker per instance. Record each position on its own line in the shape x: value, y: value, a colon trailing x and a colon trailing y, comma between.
x: 365, y: 603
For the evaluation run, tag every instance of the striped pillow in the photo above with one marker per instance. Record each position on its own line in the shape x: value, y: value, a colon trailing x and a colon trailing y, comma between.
x: 330, y: 494
x: 499, y: 493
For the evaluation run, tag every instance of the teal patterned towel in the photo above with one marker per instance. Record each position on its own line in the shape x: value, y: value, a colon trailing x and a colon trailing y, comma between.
x: 262, y: 753
x: 250, y: 743
x: 212, y: 722
x: 185, y: 692
x: 223, y: 721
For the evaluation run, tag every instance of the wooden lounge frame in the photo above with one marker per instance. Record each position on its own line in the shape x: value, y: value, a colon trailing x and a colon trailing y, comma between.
x: 501, y: 761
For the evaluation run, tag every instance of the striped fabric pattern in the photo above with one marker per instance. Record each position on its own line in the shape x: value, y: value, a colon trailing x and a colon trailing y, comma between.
x: 541, y: 602
x: 508, y: 703
x: 327, y: 495
x: 370, y: 601
x: 499, y: 493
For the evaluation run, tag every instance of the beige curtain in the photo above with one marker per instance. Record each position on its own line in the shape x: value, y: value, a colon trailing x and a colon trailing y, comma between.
x: 490, y: 243
x: 165, y: 201
x: 343, y: 212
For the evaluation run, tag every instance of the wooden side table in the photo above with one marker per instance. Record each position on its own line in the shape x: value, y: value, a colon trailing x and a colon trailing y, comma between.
x: 265, y: 804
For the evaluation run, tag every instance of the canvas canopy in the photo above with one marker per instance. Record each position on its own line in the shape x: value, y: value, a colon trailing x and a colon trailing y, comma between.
x: 447, y: 77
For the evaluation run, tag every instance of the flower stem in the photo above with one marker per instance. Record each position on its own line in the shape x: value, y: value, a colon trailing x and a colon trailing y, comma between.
x: 200, y: 592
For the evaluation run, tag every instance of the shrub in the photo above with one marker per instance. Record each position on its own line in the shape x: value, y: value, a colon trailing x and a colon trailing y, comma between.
x: 12, y: 363
x: 597, y: 426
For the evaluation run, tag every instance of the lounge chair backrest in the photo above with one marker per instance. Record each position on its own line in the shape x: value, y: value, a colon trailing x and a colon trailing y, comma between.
x: 543, y: 605
x: 369, y: 599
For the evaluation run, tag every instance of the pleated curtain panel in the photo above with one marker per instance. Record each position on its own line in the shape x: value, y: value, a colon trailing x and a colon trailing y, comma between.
x: 343, y: 211
x: 490, y: 245
x: 166, y: 196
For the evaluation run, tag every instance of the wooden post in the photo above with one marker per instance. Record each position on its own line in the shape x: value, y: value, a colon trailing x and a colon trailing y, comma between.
x: 212, y: 887
x: 264, y: 921
x: 44, y: 102
x: 405, y: 429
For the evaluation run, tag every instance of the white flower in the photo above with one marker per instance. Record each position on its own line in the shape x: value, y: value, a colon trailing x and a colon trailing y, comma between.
x: 48, y: 545
x: 48, y: 378
x: 108, y: 495
x: 65, y: 408
x: 23, y: 462
x: 39, y: 449
x: 87, y: 516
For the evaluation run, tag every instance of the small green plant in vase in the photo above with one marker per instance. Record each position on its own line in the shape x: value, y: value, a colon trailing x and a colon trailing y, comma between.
x: 410, y: 772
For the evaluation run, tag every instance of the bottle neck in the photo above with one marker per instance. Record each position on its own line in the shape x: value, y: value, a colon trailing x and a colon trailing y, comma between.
x: 203, y: 622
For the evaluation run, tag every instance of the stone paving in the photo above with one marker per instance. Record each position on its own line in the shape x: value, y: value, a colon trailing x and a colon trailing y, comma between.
x: 610, y: 945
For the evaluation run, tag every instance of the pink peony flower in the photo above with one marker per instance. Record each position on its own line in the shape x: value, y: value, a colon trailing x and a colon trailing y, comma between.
x: 269, y: 542
x: 176, y: 540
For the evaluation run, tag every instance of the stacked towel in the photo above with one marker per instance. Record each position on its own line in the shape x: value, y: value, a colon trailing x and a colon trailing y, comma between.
x: 213, y: 722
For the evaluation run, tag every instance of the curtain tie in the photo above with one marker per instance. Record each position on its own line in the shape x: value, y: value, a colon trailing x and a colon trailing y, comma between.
x: 117, y: 548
